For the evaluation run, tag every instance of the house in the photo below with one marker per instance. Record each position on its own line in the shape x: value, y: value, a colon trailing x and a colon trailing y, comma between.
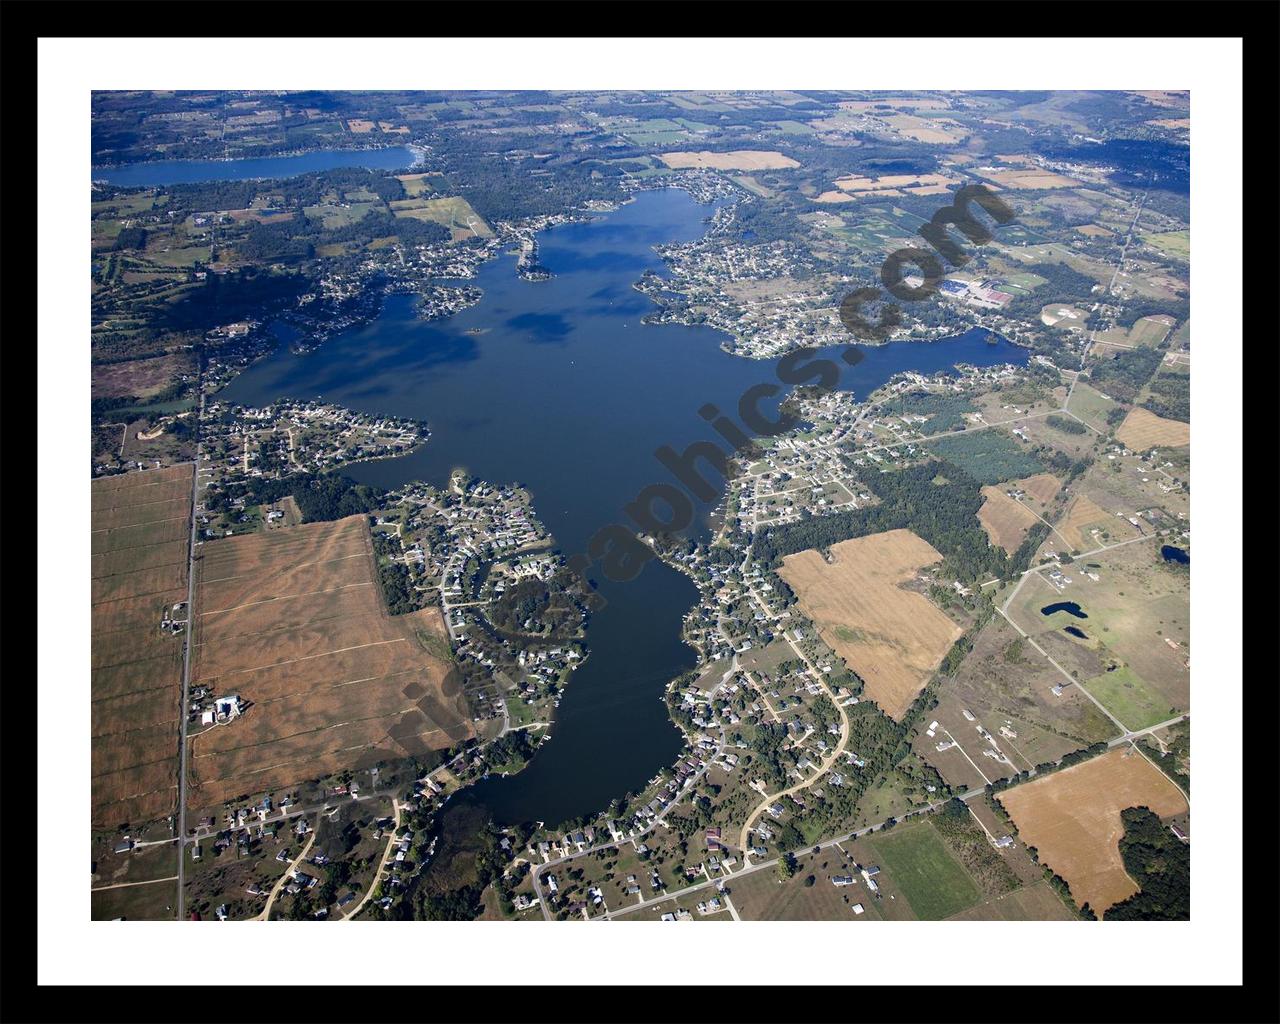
x: 857, y: 908
x: 125, y: 845
x: 1003, y: 842
x: 841, y: 880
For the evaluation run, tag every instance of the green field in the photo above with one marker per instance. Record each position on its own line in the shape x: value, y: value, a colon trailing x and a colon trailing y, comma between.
x: 989, y: 456
x: 453, y: 212
x: 1129, y: 698
x: 1172, y: 243
x: 933, y: 882
x: 1091, y: 406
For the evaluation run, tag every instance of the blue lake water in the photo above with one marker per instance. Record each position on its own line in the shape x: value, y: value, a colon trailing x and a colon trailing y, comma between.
x: 1070, y: 607
x: 566, y: 392
x: 182, y: 172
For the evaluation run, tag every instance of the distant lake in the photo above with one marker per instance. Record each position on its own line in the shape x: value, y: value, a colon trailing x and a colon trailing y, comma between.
x: 1070, y: 607
x: 568, y: 393
x: 184, y: 172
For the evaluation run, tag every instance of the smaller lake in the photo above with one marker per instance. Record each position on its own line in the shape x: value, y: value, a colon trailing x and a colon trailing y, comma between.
x: 1070, y: 607
x: 184, y: 172
x: 1171, y: 554
x: 1077, y: 632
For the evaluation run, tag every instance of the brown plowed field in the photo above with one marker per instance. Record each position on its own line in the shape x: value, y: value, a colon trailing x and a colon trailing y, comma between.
x: 141, y: 525
x: 1005, y: 519
x: 1143, y: 429
x: 892, y: 637
x: 1072, y: 818
x: 293, y: 622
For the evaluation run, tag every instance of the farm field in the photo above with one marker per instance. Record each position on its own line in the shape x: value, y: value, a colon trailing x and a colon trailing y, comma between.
x: 892, y: 637
x: 1072, y: 818
x: 1172, y: 243
x: 738, y: 160
x: 452, y: 212
x: 1138, y: 613
x: 1091, y: 406
x: 1005, y: 519
x: 1034, y: 903
x: 932, y: 881
x: 1005, y: 680
x: 1083, y: 516
x: 153, y: 902
x: 1143, y: 429
x: 141, y: 524
x: 292, y: 622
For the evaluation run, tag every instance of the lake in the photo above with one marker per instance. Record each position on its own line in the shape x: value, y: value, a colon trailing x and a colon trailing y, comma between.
x: 567, y: 393
x: 1171, y: 554
x: 184, y: 172
x: 1070, y: 607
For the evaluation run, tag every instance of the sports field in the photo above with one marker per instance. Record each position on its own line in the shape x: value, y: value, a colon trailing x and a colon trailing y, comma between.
x: 892, y: 637
x: 1072, y: 818
x: 293, y: 623
x: 141, y: 529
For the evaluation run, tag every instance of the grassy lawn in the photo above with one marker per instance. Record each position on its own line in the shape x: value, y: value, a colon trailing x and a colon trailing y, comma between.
x: 520, y: 712
x: 1129, y: 698
x: 928, y: 876
x: 1091, y: 406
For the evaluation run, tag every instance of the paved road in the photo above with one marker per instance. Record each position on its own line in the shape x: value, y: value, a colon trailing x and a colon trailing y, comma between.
x: 382, y: 864
x: 280, y: 882
x: 762, y: 865
x: 826, y: 764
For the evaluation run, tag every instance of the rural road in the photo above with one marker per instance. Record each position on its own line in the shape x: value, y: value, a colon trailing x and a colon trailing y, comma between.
x: 822, y: 770
x: 188, y: 641
x: 382, y: 864
x: 280, y: 883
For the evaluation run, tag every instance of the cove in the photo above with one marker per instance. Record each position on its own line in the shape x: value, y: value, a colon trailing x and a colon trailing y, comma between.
x: 566, y: 392
x: 183, y: 172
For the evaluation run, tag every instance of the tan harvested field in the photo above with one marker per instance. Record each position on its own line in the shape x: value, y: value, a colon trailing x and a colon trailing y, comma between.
x: 1035, y: 903
x: 1005, y: 519
x: 1043, y: 487
x: 923, y: 129
x: 452, y: 212
x: 293, y: 622
x: 1072, y: 818
x: 141, y: 524
x: 1083, y: 513
x: 892, y: 637
x: 738, y: 160
x: 1027, y: 178
x: 911, y: 182
x: 1143, y: 429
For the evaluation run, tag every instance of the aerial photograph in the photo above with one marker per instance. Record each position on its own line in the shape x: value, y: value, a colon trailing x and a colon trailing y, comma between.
x: 639, y: 505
